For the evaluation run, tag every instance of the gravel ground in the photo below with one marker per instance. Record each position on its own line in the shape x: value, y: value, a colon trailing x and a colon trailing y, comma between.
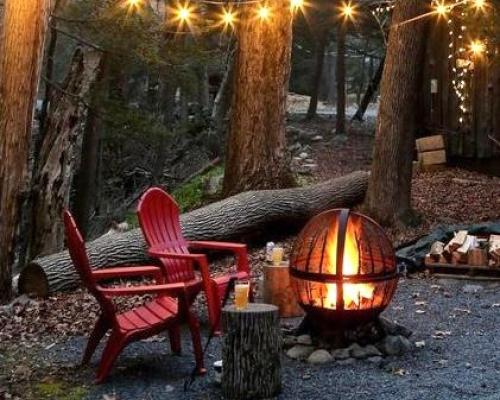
x: 460, y: 358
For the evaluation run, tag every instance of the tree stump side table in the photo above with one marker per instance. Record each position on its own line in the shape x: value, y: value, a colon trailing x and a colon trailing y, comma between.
x: 277, y: 290
x: 251, y: 352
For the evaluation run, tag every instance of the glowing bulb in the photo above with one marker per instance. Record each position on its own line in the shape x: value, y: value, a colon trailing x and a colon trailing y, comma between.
x: 264, y: 13
x: 348, y: 10
x: 133, y: 5
x: 296, y: 4
x: 479, y: 4
x: 442, y: 9
x: 228, y: 18
x: 184, y: 14
x: 477, y: 47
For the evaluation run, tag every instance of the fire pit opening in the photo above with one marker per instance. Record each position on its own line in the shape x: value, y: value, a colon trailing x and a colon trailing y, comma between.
x: 343, y: 270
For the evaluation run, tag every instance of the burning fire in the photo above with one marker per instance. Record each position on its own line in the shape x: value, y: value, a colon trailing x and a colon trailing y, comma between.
x: 354, y: 293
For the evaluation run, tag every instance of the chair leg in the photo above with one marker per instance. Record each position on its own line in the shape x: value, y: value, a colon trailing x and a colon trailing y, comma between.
x: 114, y: 346
x: 214, y: 308
x: 100, y: 329
x: 174, y: 333
x: 194, y: 327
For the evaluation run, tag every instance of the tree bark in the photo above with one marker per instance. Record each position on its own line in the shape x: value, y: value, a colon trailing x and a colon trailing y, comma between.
x: 59, y: 153
x: 389, y: 194
x: 256, y: 156
x: 370, y: 92
x: 340, y: 75
x: 251, y: 352
x: 85, y: 180
x: 251, y: 212
x: 321, y: 44
x: 22, y: 40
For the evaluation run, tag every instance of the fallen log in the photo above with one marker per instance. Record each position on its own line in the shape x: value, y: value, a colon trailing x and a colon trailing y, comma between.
x: 228, y: 219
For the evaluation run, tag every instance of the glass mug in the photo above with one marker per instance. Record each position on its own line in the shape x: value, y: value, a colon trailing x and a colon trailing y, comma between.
x: 277, y: 255
x: 241, y: 291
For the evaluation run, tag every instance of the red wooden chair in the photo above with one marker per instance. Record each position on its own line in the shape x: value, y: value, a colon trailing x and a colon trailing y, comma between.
x: 159, y: 219
x: 169, y: 307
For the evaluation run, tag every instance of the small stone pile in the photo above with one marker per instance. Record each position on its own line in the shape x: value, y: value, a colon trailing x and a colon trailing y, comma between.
x: 300, y: 149
x: 371, y: 342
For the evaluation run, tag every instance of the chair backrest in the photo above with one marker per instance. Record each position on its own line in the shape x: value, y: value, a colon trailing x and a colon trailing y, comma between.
x: 159, y: 220
x: 78, y: 254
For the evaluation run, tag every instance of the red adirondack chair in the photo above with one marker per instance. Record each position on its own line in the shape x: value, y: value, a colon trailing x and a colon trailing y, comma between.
x: 159, y: 219
x: 169, y: 307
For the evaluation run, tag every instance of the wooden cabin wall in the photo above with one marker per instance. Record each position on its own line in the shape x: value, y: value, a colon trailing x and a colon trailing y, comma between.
x: 441, y: 109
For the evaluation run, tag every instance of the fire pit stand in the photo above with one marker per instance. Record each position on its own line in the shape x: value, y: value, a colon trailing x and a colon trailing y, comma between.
x: 343, y: 271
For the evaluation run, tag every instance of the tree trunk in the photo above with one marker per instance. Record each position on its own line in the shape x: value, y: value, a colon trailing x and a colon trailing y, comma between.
x: 340, y: 75
x: 22, y: 40
x: 371, y: 90
x: 321, y: 43
x: 256, y: 155
x: 49, y: 74
x: 220, y: 110
x: 251, y: 366
x: 389, y: 193
x: 85, y: 180
x: 247, y: 213
x: 59, y: 153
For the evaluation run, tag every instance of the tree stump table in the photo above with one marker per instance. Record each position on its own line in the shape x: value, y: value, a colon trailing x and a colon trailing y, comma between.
x: 278, y: 290
x: 251, y: 352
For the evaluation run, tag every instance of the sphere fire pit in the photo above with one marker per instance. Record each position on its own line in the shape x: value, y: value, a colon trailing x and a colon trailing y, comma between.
x: 343, y: 270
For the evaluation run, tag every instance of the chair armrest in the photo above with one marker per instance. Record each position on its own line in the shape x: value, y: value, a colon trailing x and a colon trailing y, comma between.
x: 239, y: 250
x: 217, y: 245
x: 171, y: 289
x: 161, y: 252
x: 127, y: 272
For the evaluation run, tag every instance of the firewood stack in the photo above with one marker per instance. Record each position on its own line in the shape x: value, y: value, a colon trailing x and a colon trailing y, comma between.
x: 463, y: 248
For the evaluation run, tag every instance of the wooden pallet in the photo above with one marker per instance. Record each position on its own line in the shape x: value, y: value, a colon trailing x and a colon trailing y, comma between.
x: 464, y: 271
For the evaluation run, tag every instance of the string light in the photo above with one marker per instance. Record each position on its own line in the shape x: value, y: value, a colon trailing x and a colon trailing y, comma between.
x: 133, y: 5
x: 477, y: 47
x: 296, y: 5
x: 442, y: 9
x: 479, y: 4
x: 348, y: 10
x: 264, y: 13
x: 228, y: 18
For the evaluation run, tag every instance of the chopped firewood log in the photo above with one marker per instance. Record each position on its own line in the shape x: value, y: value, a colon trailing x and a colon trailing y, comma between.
x: 457, y: 258
x: 477, y: 257
x: 437, y: 250
x: 494, y: 246
x: 469, y: 243
x: 457, y: 241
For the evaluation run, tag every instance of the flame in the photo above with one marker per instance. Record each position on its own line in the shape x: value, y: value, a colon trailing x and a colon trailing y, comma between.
x: 353, y: 293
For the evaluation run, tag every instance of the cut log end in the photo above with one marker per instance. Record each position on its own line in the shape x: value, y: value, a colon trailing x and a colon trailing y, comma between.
x: 33, y: 281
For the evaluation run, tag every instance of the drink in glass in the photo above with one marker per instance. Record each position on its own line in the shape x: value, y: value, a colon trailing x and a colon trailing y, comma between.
x: 241, y: 289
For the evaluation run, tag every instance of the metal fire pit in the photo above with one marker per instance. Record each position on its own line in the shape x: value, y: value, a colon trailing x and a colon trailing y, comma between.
x: 343, y: 270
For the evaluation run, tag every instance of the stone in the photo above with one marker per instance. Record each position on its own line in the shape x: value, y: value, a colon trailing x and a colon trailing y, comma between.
x: 317, y: 138
x: 303, y: 155
x: 471, y: 289
x: 375, y: 360
x: 300, y: 352
x: 364, y: 352
x: 289, y: 341
x: 304, y: 339
x: 347, y: 361
x: 393, y: 328
x: 341, y: 354
x: 213, y: 184
x: 394, y: 345
x: 309, y: 161
x: 320, y: 356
